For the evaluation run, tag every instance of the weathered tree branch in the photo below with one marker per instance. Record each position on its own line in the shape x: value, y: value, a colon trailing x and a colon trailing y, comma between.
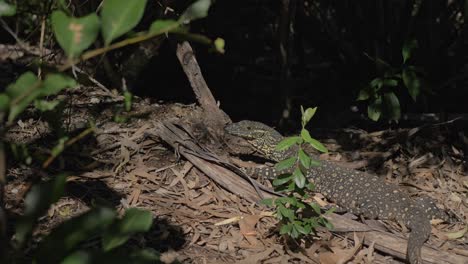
x: 203, y: 94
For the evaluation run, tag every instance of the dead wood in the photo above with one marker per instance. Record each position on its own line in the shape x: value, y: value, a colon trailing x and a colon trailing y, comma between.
x: 214, y: 117
x: 391, y: 244
x: 209, y: 163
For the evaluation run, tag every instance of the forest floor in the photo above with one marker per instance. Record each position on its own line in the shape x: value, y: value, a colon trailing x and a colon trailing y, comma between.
x: 198, y: 221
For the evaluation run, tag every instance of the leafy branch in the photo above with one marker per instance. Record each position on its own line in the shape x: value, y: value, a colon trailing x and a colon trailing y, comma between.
x: 291, y: 210
x: 380, y: 92
x: 75, y: 36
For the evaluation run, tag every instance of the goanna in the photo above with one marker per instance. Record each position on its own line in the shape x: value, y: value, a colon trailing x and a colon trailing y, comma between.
x: 357, y: 192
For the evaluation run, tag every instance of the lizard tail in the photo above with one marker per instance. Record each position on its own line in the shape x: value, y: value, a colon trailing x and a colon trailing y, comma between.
x: 420, y: 232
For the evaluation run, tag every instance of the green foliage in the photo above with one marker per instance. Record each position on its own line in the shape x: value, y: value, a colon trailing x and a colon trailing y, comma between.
x: 163, y: 26
x: 412, y: 82
x: 29, y: 88
x: 289, y: 209
x: 21, y: 153
x: 63, y: 244
x: 37, y: 202
x: 408, y: 49
x: 134, y: 221
x: 66, y: 237
x: 119, y: 17
x: 7, y: 9
x: 380, y: 92
x: 75, y: 34
x: 374, y: 109
x: 115, y: 257
x: 197, y: 10
x: 219, y: 44
x: 128, y: 98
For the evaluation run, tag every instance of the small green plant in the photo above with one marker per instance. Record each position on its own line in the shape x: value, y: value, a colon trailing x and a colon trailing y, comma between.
x: 380, y: 92
x: 291, y: 210
x: 63, y: 244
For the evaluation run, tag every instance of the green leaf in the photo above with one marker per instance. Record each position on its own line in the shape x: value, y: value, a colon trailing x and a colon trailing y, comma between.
x: 267, y: 201
x: 28, y: 88
x: 408, y: 48
x: 363, y: 94
x: 312, y: 141
x: 134, y: 221
x: 300, y: 205
x: 117, y: 256
x: 393, y: 106
x: 316, y: 208
x: 24, y: 83
x: 197, y: 10
x: 44, y: 105
x: 376, y: 84
x: 163, y: 26
x: 312, y: 222
x: 128, y: 96
x: 390, y: 82
x: 330, y: 211
x: 75, y: 34
x: 286, y: 212
x: 57, y: 149
x: 22, y: 93
x: 219, y: 44
x: 67, y: 236
x: 285, y: 200
x: 300, y: 228
x: 314, y: 163
x: 291, y: 187
x: 7, y: 9
x: 374, y: 110
x: 147, y: 255
x: 299, y: 178
x: 308, y: 229
x: 287, y: 143
x: 54, y: 83
x: 412, y: 82
x: 282, y: 179
x: 286, y: 229
x: 4, y: 102
x: 304, y: 159
x: 310, y: 186
x: 294, y: 233
x: 308, y: 114
x: 324, y: 222
x: 119, y: 17
x: 36, y: 203
x: 285, y: 164
x: 78, y: 257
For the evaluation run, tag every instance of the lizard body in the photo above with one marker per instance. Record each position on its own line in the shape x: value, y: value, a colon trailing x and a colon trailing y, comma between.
x: 357, y: 192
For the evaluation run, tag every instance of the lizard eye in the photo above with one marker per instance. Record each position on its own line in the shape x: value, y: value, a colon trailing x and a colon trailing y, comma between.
x: 249, y: 128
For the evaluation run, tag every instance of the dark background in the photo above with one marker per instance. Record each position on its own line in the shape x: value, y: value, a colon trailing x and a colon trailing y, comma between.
x: 332, y: 48
x: 331, y: 51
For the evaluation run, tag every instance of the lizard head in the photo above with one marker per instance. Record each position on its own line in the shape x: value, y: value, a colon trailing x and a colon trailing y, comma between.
x: 262, y: 137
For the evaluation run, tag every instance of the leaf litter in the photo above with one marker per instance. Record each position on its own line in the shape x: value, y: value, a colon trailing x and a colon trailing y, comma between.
x: 197, y: 221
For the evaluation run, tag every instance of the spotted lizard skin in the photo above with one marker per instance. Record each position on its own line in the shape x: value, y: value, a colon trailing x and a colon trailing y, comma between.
x: 357, y: 192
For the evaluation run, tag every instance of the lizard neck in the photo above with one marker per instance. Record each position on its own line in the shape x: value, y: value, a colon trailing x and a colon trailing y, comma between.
x: 266, y: 147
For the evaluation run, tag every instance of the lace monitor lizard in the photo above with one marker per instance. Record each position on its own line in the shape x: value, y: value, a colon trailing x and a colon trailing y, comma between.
x: 355, y: 191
